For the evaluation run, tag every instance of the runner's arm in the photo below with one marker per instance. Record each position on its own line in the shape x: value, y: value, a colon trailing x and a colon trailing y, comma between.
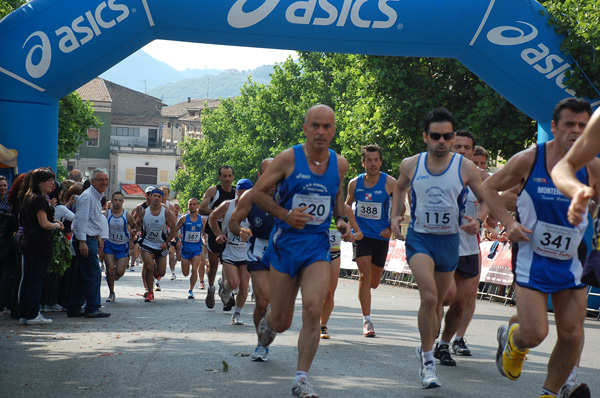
x: 215, y: 216
x: 208, y: 196
x: 242, y: 209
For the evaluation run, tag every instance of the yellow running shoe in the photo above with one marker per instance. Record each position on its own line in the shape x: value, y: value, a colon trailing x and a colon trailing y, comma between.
x: 510, y: 363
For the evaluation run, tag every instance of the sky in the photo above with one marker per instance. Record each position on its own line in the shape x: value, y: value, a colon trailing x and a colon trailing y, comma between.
x: 183, y: 55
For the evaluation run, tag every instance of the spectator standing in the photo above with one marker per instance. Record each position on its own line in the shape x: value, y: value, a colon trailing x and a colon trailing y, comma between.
x: 4, y: 205
x: 36, y: 244
x: 87, y: 227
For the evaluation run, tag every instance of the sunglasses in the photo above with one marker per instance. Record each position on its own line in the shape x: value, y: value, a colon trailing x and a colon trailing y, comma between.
x: 437, y: 136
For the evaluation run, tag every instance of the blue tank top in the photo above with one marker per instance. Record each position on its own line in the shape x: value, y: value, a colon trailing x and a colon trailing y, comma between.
x: 261, y: 225
x: 372, y: 207
x: 305, y: 188
x: 191, y: 233
x: 551, y: 257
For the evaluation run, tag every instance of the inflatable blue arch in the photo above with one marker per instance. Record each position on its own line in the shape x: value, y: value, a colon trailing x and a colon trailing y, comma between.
x: 51, y: 47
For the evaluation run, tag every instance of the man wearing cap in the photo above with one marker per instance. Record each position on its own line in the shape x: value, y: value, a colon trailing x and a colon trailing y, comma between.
x: 213, y: 197
x: 154, y: 221
x: 136, y: 212
x: 261, y: 225
x: 191, y: 229
x: 235, y: 255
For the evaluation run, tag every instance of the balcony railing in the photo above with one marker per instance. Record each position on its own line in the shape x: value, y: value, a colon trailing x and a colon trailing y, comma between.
x: 165, y: 149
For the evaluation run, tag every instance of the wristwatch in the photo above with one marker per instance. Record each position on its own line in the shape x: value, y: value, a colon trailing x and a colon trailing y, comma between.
x: 480, y: 222
x: 342, y: 217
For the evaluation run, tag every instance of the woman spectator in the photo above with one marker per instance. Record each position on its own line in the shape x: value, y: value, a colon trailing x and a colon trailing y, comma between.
x: 51, y: 290
x: 36, y: 244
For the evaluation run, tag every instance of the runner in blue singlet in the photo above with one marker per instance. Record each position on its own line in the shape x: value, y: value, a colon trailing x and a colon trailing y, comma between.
x: 547, y: 253
x: 309, y: 178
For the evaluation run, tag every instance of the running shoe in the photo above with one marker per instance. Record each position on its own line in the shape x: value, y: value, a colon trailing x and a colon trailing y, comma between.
x: 157, y: 288
x: 442, y: 352
x: 190, y: 295
x: 223, y: 292
x: 368, y: 330
x: 236, y: 319
x: 210, y: 297
x: 156, y: 276
x: 145, y: 294
x: 53, y: 308
x: 111, y: 298
x: 230, y: 304
x: 150, y: 297
x: 260, y: 354
x: 265, y: 334
x: 202, y: 286
x: 509, y: 358
x: 324, y: 332
x: 427, y: 374
x: 459, y: 346
x: 38, y: 320
x: 574, y: 389
x: 173, y: 276
x: 303, y: 389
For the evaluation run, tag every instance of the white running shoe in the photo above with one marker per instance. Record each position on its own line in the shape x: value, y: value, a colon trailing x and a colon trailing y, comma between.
x: 574, y: 389
x: 38, y: 320
x: 53, y: 308
x: 173, y: 276
x: 427, y: 373
x: 303, y: 389
x: 265, y: 334
x: 260, y: 354
x: 236, y: 319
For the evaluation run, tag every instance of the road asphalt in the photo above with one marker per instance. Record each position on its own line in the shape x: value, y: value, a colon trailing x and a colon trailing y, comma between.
x: 176, y: 347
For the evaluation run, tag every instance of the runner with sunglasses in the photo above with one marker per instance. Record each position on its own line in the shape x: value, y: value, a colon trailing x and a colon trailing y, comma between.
x: 438, y: 179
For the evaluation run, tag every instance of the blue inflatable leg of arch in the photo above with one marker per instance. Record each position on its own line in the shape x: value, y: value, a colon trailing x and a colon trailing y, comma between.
x: 55, y: 46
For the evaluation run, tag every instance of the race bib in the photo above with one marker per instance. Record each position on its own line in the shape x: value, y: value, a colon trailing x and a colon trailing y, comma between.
x: 153, y: 234
x: 369, y: 210
x: 234, y: 240
x: 192, y: 237
x: 436, y: 220
x: 318, y: 206
x: 260, y: 246
x: 554, y: 241
x: 335, y: 238
x: 116, y: 237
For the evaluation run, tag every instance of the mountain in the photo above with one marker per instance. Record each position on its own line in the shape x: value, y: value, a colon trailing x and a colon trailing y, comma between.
x: 141, y: 72
x: 224, y: 85
x: 148, y: 75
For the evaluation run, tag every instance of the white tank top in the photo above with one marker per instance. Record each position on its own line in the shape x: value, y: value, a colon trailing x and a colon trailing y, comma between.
x: 468, y: 243
x: 154, y: 228
x: 236, y: 249
x: 438, y: 200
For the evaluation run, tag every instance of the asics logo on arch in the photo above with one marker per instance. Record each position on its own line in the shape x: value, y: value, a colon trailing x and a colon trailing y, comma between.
x: 301, y: 13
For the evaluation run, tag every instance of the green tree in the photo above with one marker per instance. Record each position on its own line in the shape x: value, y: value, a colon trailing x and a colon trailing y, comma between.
x: 8, y: 6
x: 579, y: 22
x: 377, y: 100
x: 75, y: 117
